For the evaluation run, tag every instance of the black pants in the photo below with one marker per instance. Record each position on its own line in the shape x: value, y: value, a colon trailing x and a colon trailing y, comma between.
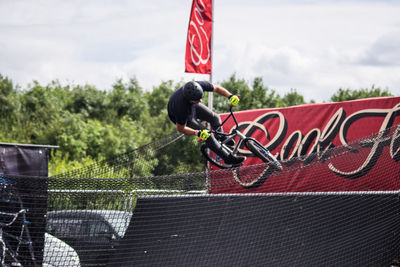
x: 202, y: 113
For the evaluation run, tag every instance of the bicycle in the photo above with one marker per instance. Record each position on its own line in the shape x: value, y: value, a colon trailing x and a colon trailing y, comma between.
x: 250, y: 143
x: 14, y: 231
x: 257, y: 149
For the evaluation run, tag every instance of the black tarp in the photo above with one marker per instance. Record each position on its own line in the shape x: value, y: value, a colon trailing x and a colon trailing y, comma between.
x: 23, y: 169
x: 292, y: 230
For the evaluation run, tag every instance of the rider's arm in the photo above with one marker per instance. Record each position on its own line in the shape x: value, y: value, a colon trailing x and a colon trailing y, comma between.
x: 182, y: 128
x: 221, y: 91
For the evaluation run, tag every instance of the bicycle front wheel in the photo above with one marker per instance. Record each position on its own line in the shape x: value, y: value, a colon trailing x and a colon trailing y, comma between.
x: 214, y: 159
x: 261, y: 152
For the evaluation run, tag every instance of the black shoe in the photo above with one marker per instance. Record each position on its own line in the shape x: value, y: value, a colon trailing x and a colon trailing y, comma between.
x: 222, y: 138
x: 234, y: 160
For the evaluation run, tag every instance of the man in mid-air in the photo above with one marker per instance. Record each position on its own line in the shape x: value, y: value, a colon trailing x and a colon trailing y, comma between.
x: 186, y: 111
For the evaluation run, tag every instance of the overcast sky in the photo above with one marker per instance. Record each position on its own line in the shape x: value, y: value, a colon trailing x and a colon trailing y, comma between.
x: 315, y: 47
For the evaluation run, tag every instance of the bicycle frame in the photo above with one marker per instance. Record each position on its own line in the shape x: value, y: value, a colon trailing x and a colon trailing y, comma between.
x: 250, y: 143
x: 235, y: 132
x: 232, y: 135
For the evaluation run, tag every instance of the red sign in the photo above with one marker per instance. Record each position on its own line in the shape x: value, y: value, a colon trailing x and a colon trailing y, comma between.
x: 198, y: 45
x: 346, y: 146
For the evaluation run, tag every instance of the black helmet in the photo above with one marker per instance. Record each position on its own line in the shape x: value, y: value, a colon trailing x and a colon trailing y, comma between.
x: 192, y: 91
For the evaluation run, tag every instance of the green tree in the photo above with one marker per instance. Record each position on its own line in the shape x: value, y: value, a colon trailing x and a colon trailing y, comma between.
x: 348, y: 94
x: 236, y: 87
x: 39, y: 109
x: 159, y: 96
x: 263, y: 97
x: 70, y: 137
x: 182, y: 156
x: 88, y: 101
x: 293, y: 98
x: 7, y: 97
x: 255, y: 97
x: 127, y: 99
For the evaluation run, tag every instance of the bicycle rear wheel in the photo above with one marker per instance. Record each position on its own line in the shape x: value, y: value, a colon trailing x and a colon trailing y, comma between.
x: 213, y: 158
x: 261, y: 152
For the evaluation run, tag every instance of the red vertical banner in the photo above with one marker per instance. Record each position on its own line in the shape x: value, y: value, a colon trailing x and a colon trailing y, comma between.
x: 198, y: 44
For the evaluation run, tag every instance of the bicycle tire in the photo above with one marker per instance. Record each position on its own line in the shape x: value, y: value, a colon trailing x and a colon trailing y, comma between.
x: 254, y: 182
x: 261, y: 152
x: 215, y: 160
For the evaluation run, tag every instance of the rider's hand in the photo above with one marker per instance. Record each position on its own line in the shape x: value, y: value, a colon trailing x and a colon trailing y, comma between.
x: 234, y: 99
x: 204, y: 134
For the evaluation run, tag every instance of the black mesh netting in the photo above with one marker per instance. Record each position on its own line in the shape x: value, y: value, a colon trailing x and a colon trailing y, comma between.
x: 338, y: 206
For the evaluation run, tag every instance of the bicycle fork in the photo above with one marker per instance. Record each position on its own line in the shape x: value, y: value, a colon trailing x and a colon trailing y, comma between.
x: 236, y: 147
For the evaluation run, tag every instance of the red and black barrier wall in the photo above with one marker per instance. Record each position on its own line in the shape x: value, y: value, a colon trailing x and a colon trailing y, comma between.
x: 350, y: 229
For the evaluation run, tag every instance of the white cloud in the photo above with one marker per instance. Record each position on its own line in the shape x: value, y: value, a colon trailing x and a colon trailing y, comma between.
x: 385, y: 51
x: 314, y: 46
x: 311, y: 47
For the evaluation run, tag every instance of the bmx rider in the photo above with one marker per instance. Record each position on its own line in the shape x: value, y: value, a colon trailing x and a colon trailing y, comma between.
x: 186, y: 111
